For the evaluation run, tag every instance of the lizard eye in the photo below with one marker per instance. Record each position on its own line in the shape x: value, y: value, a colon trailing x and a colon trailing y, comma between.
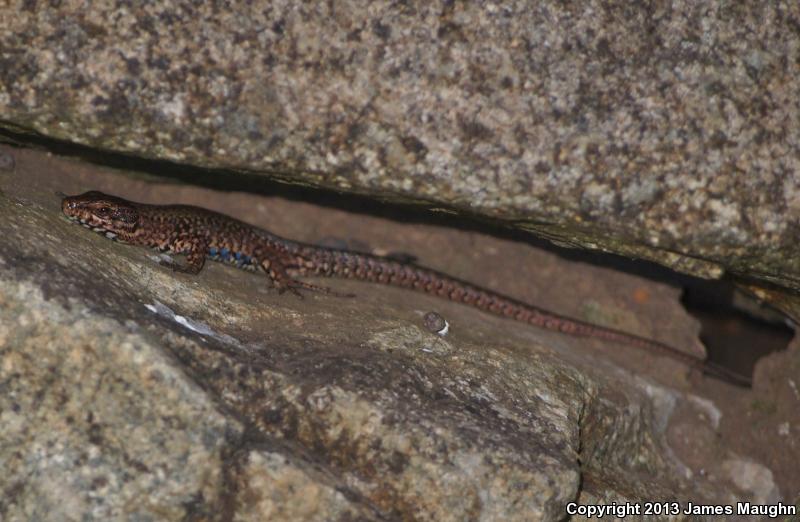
x: 103, y: 211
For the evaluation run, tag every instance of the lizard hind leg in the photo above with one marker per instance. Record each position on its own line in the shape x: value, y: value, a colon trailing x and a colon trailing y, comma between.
x: 320, y: 289
x: 283, y: 282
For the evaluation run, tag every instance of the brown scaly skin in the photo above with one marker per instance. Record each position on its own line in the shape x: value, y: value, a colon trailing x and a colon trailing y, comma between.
x: 199, y: 234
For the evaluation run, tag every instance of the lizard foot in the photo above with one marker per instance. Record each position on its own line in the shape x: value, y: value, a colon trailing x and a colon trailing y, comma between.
x: 294, y: 286
x: 179, y: 267
x: 323, y: 290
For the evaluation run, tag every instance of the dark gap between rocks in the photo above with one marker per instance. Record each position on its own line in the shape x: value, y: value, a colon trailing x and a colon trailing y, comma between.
x: 736, y: 330
x: 734, y: 338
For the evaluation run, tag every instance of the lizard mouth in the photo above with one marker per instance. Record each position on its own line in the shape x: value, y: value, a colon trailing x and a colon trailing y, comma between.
x: 94, y: 228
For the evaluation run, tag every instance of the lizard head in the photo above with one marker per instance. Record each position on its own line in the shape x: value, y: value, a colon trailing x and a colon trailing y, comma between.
x: 109, y: 215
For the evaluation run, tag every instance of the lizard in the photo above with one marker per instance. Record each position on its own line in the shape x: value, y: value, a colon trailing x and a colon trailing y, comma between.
x: 201, y: 234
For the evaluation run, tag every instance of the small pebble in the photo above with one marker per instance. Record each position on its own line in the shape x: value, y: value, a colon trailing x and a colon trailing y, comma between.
x: 436, y: 323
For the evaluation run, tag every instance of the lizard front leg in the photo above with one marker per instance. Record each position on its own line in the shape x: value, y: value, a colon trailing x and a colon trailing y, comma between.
x: 195, y: 251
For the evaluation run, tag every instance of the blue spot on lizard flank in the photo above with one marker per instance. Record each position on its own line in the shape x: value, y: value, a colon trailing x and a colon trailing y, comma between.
x: 242, y: 259
x: 225, y: 253
x: 212, y: 252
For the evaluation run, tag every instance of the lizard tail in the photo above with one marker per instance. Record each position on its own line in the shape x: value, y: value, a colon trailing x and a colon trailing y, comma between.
x: 365, y: 267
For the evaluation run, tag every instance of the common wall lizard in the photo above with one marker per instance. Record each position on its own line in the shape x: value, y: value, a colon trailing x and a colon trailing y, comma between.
x: 201, y: 234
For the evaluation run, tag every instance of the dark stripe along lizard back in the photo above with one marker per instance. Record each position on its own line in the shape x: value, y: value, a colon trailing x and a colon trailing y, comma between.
x: 201, y: 234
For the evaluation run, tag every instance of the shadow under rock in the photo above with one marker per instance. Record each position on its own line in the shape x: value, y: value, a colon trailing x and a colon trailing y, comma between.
x: 734, y: 338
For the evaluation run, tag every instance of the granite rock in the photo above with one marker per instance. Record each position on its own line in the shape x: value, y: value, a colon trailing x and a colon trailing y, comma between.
x: 130, y: 392
x: 665, y: 131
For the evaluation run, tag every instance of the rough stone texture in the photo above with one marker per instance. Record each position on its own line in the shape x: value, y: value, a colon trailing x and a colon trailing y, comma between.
x: 96, y: 421
x: 401, y: 438
x: 130, y: 392
x: 664, y: 130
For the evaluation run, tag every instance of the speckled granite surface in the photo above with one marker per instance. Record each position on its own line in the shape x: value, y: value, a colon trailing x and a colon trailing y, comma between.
x: 130, y: 392
x: 667, y: 130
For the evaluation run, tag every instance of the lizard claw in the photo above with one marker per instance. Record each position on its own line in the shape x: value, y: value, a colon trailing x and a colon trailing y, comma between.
x: 178, y: 267
x: 295, y: 286
x: 321, y: 289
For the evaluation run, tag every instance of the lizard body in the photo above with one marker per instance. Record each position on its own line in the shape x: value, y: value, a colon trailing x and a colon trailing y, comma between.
x: 201, y: 234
